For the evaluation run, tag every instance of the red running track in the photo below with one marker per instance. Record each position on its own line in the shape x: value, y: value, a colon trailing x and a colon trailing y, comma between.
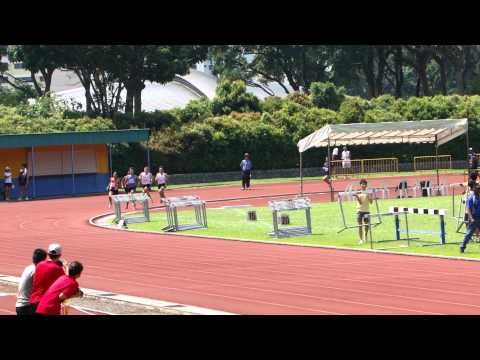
x: 238, y: 277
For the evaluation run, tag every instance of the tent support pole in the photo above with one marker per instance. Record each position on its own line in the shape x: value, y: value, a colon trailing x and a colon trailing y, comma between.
x: 468, y: 149
x: 110, y: 165
x: 73, y: 170
x: 301, y: 175
x: 436, y: 165
x: 330, y: 171
x: 33, y: 173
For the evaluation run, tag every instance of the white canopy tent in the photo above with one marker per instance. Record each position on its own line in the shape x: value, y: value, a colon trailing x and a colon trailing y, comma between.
x: 437, y: 132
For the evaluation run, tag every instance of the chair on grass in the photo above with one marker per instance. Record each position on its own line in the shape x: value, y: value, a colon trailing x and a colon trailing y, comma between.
x: 425, y: 188
x: 384, y: 190
x: 402, y: 189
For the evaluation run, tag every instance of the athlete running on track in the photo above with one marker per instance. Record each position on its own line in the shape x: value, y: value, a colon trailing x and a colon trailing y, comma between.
x: 161, y: 180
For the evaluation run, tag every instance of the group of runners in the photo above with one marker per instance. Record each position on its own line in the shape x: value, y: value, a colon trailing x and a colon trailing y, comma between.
x: 131, y: 181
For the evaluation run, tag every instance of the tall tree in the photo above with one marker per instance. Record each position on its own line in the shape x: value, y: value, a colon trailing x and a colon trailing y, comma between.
x: 98, y: 70
x: 156, y: 63
x: 43, y: 59
x: 296, y: 65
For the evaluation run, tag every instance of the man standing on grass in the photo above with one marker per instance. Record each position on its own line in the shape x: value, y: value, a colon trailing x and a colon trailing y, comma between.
x: 473, y: 214
x: 23, y: 306
x: 65, y: 287
x: 46, y: 272
x: 363, y: 210
x: 246, y: 166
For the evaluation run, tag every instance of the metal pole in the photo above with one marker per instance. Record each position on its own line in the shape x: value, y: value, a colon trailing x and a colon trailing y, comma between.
x: 301, y: 174
x: 330, y: 171
x: 73, y: 172
x: 33, y: 173
x: 148, y: 157
x: 110, y: 163
x: 436, y: 165
x: 468, y: 146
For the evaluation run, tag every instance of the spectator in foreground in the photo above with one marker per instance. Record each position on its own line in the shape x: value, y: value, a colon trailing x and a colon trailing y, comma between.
x: 65, y: 287
x: 46, y: 273
x: 246, y: 167
x: 23, y: 182
x: 23, y: 306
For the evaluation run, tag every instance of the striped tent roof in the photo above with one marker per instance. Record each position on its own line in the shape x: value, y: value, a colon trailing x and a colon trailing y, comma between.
x: 422, y: 131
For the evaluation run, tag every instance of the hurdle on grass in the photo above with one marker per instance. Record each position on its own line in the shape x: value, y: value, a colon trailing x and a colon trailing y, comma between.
x: 421, y: 211
x: 299, y: 203
x: 349, y: 195
x: 398, y: 236
x: 173, y: 203
x: 135, y: 217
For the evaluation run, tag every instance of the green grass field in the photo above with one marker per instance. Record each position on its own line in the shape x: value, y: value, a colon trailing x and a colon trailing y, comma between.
x: 326, y: 221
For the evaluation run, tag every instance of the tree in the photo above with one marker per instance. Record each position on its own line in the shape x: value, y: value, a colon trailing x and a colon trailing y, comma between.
x: 297, y: 65
x: 43, y: 59
x: 3, y: 52
x: 98, y: 70
x: 232, y: 96
x: 156, y: 63
x: 327, y: 95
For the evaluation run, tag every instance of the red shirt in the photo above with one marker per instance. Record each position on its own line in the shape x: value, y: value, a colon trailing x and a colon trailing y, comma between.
x: 46, y: 272
x: 51, y: 303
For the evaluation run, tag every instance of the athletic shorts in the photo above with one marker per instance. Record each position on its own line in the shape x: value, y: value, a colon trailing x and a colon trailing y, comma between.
x: 114, y: 191
x: 160, y: 186
x: 7, y: 186
x: 362, y: 217
x: 148, y: 186
x: 129, y: 189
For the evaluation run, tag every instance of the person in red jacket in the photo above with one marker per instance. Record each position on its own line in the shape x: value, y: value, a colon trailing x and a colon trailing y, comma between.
x: 65, y: 287
x: 46, y: 272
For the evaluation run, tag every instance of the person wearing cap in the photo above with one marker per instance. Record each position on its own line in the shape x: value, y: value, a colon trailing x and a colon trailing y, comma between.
x: 23, y: 306
x: 46, y: 272
x: 65, y: 287
x: 246, y: 167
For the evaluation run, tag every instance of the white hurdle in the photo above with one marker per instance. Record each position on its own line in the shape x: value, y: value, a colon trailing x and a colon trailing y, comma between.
x: 421, y: 211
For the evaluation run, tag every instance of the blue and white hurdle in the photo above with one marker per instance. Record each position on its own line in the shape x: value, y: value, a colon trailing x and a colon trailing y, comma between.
x: 420, y: 211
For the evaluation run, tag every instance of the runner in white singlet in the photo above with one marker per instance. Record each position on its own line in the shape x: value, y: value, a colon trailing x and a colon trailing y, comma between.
x: 146, y: 179
x: 161, y: 180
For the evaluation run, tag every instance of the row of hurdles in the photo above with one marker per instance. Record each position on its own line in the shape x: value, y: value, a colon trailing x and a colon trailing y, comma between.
x: 281, y: 221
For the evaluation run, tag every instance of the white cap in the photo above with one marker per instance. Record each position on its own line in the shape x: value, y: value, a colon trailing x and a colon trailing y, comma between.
x: 55, y: 249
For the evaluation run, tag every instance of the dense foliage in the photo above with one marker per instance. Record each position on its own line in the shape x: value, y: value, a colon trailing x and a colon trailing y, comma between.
x: 194, y: 139
x: 46, y: 116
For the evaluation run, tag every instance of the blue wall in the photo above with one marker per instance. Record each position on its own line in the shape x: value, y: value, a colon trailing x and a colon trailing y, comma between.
x: 59, y: 185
